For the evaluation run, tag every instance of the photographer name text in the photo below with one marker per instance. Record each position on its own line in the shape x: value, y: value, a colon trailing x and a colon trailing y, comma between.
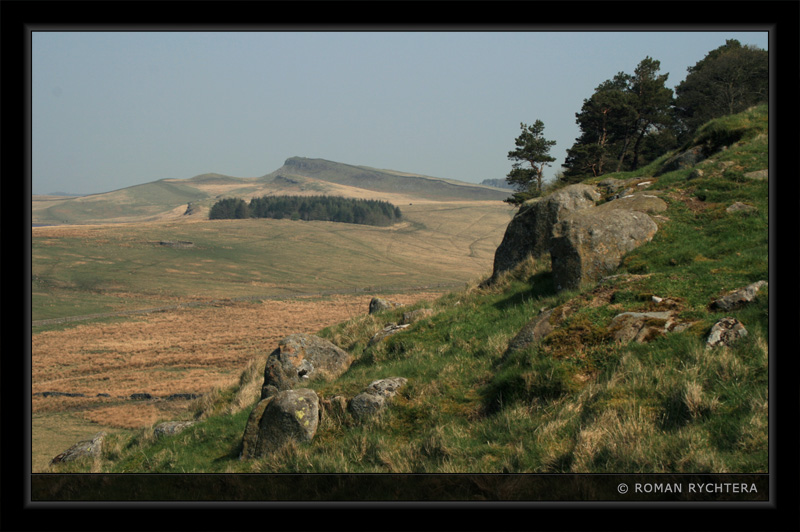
x: 694, y: 487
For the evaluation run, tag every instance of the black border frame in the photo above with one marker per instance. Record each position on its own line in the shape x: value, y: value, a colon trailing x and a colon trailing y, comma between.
x: 18, y: 18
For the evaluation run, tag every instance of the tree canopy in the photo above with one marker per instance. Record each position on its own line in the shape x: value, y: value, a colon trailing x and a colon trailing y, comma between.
x: 728, y: 80
x: 621, y: 123
x: 531, y: 148
x: 325, y: 208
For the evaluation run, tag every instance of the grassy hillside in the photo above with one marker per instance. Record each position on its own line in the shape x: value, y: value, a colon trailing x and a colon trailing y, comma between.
x: 576, y: 402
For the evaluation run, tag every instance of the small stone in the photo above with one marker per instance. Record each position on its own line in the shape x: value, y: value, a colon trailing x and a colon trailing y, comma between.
x: 738, y: 298
x: 725, y: 332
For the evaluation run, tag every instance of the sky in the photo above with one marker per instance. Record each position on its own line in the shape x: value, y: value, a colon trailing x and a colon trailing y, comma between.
x: 115, y: 109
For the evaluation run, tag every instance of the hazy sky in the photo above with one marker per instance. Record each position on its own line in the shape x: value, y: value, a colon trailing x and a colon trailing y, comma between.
x: 116, y: 109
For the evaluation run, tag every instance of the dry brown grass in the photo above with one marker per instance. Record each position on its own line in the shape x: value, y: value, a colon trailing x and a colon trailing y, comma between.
x: 193, y: 350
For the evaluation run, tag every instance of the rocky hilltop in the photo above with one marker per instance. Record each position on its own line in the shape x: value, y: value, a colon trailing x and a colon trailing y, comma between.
x: 377, y: 180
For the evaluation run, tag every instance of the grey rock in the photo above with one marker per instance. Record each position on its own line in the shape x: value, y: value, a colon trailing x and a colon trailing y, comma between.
x: 640, y: 327
x: 59, y: 394
x: 725, y: 332
x: 386, y: 387
x: 740, y: 207
x: 378, y: 304
x: 289, y: 415
x: 90, y: 447
x: 365, y: 405
x: 758, y: 174
x: 612, y: 185
x: 375, y: 397
x: 141, y: 396
x: 530, y: 231
x: 738, y: 298
x: 589, y: 244
x: 299, y: 357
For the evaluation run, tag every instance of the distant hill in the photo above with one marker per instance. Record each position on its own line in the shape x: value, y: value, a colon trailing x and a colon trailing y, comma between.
x: 497, y: 183
x: 192, y: 198
x: 392, y: 181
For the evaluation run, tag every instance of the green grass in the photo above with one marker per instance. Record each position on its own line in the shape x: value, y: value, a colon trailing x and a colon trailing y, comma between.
x: 576, y: 402
x: 123, y: 267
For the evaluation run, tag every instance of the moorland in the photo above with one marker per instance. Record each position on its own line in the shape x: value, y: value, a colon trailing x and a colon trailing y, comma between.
x: 141, y: 293
x: 577, y: 401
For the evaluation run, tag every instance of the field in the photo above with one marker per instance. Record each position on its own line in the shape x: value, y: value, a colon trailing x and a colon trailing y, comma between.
x: 241, y: 286
x: 79, y: 270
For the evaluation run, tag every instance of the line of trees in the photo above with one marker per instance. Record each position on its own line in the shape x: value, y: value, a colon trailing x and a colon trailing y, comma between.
x: 632, y: 119
x: 325, y: 208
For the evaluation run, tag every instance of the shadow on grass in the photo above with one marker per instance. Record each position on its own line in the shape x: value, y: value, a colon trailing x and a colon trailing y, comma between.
x: 540, y: 285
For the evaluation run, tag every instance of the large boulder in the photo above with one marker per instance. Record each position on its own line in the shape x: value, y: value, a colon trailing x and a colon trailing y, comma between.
x: 530, y: 231
x: 299, y: 357
x: 589, y: 244
x: 290, y: 415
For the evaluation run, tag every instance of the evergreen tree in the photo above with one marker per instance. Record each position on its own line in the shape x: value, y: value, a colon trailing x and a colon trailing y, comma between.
x: 326, y: 208
x: 728, y: 80
x: 618, y: 121
x: 533, y: 149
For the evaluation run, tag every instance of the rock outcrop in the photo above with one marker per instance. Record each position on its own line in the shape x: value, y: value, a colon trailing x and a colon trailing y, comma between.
x: 589, y: 244
x: 299, y: 357
x: 585, y: 241
x: 289, y: 415
x: 375, y: 397
x: 91, y: 447
x: 378, y: 304
x: 643, y: 327
x: 738, y: 298
x: 530, y: 230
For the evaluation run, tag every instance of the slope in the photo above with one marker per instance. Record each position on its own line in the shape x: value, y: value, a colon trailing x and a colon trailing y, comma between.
x: 577, y: 402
